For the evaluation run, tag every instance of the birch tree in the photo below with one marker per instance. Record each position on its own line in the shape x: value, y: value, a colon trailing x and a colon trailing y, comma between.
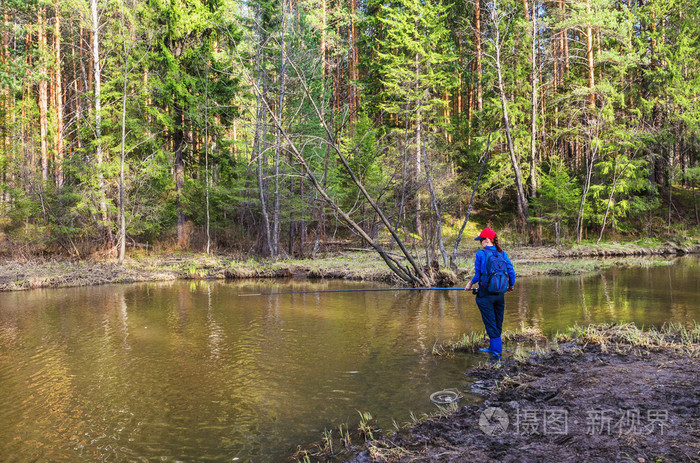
x: 97, y: 108
x: 500, y: 24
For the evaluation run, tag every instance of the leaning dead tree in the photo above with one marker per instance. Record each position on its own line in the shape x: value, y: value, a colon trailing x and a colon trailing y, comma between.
x: 408, y: 269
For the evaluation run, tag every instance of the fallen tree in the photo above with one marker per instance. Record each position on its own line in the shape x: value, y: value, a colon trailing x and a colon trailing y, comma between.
x: 409, y: 270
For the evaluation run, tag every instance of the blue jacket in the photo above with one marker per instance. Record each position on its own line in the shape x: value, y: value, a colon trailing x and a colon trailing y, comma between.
x: 480, y: 266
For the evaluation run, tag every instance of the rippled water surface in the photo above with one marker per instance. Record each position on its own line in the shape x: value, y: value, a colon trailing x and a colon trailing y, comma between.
x: 204, y: 371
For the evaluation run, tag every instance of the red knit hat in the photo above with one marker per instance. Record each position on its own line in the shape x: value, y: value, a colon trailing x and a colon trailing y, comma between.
x: 486, y: 233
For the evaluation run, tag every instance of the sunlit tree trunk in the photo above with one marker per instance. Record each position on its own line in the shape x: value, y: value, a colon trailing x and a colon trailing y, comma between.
x: 589, y: 56
x: 206, y: 160
x: 179, y: 150
x: 43, y: 94
x: 122, y: 194
x: 353, y: 60
x: 565, y: 41
x: 76, y: 88
x: 522, y: 203
x: 302, y: 221
x: 97, y: 91
x: 477, y: 44
x: 417, y: 162
x: 28, y: 149
x: 5, y: 105
x: 533, y: 113
x: 278, y: 142
x: 58, y: 100
x: 122, y: 163
x: 324, y: 89
x: 695, y: 204
x: 258, y: 144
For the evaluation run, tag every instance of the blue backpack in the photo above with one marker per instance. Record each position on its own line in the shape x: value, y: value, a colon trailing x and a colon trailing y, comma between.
x: 495, y: 280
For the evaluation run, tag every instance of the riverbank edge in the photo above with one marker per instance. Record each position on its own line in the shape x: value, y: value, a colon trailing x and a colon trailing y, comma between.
x: 580, y: 373
x: 32, y: 273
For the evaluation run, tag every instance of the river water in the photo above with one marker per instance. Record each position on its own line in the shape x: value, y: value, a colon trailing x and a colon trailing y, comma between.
x: 207, y: 371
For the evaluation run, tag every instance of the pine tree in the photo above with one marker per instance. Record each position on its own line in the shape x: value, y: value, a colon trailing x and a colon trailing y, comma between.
x: 414, y: 59
x: 557, y: 197
x: 185, y: 34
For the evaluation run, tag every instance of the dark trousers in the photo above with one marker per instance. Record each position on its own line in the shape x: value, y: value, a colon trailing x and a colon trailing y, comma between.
x: 492, y: 307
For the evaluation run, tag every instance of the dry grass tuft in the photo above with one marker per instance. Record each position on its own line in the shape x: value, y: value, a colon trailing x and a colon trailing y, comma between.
x: 626, y: 337
x: 470, y: 342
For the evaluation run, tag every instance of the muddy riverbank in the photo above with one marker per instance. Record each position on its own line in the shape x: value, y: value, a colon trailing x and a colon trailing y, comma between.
x: 30, y: 273
x: 596, y: 394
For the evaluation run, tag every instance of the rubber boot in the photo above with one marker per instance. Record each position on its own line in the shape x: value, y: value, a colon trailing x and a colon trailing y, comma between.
x: 491, y: 349
x: 496, y: 345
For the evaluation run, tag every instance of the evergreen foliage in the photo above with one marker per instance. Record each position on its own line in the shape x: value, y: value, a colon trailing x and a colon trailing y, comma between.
x: 226, y: 100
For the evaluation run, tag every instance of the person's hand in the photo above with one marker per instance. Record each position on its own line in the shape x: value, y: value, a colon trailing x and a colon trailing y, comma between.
x: 468, y: 287
x: 510, y: 289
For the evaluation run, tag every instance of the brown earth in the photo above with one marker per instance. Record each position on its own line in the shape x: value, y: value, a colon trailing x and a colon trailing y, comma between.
x: 590, y: 400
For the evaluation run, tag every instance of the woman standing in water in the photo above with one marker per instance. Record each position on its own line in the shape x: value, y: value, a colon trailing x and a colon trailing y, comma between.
x: 495, y: 274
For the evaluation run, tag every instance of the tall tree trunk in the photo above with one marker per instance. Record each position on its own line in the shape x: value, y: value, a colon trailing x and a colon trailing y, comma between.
x: 589, y: 56
x: 28, y: 151
x: 78, y: 106
x: 417, y: 163
x: 290, y: 249
x: 670, y: 190
x: 122, y: 194
x: 324, y: 89
x: 58, y: 100
x: 97, y: 87
x: 457, y: 99
x: 477, y: 44
x: 405, y: 166
x: 556, y: 58
x: 564, y: 44
x: 695, y: 204
x: 179, y: 149
x: 259, y: 140
x: 43, y: 94
x: 471, y: 92
x: 533, y: 114
x: 356, y: 62
x: 352, y: 60
x: 206, y: 158
x: 302, y: 221
x: 278, y: 142
x: 267, y: 238
x: 522, y: 203
x: 6, y: 105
